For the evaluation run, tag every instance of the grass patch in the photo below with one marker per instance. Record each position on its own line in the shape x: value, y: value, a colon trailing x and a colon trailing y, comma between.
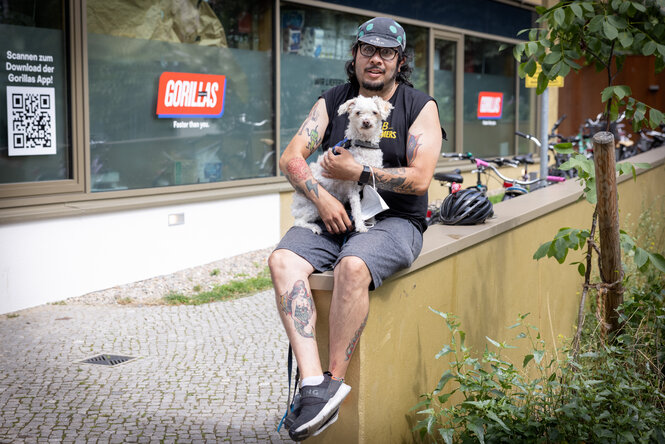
x: 231, y: 290
x: 495, y: 199
x: 124, y: 301
x: 214, y: 272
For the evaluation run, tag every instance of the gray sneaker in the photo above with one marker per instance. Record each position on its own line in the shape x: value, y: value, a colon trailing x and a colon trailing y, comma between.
x: 318, y: 407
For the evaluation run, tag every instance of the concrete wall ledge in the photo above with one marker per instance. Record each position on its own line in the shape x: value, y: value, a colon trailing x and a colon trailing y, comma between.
x: 486, y: 276
x: 440, y: 241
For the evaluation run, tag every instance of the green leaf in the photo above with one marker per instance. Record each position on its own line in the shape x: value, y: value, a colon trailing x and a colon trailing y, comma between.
x: 542, y: 251
x: 542, y: 83
x: 655, y: 117
x: 559, y: 250
x: 588, y: 6
x: 552, y: 57
x: 494, y: 416
x: 607, y: 94
x: 476, y: 426
x: 564, y: 148
x: 559, y: 16
x: 531, y: 48
x: 440, y: 313
x: 627, y: 435
x: 626, y: 39
x: 649, y: 48
x: 538, y: 355
x: 493, y: 342
x: 447, y: 435
x: 527, y: 359
x: 610, y: 30
x: 581, y: 269
x: 640, y: 7
x: 661, y: 50
x: 447, y: 376
x: 591, y: 196
x: 444, y: 351
x: 577, y: 10
x: 444, y: 398
x: 657, y: 261
x: 622, y: 91
x: 641, y: 257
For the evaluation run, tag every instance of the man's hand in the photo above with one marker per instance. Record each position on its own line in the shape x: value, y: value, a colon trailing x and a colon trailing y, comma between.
x: 341, y: 165
x: 333, y: 214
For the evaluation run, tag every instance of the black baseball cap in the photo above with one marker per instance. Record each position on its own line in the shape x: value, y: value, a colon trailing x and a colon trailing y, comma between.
x: 382, y: 32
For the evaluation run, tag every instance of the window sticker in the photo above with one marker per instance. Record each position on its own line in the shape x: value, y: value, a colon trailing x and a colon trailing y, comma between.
x: 31, y: 120
x: 490, y: 105
x: 190, y: 95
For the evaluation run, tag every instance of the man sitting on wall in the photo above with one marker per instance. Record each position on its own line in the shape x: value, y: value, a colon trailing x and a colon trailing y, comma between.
x: 411, y: 142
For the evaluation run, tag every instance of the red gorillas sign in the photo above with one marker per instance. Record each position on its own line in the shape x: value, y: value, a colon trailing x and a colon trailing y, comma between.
x: 490, y: 105
x: 184, y: 94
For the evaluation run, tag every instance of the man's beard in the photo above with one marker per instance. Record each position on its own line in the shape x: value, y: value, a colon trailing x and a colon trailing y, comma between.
x: 378, y: 86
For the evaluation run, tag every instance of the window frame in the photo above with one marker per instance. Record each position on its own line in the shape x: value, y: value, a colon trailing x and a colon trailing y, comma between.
x: 72, y: 11
x: 34, y: 200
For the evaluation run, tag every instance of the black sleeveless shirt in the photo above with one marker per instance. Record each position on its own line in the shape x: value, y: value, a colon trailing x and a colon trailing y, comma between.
x: 407, y: 103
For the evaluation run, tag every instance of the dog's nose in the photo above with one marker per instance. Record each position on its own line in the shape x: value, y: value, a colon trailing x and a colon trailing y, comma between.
x: 366, y: 124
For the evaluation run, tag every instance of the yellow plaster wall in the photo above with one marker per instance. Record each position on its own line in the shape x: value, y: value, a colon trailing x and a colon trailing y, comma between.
x: 486, y: 285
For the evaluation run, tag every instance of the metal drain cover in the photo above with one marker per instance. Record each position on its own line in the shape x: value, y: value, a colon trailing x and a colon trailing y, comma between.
x: 109, y: 360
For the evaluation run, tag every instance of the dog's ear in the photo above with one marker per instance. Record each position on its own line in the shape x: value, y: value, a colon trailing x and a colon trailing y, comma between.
x: 344, y: 107
x: 384, y: 107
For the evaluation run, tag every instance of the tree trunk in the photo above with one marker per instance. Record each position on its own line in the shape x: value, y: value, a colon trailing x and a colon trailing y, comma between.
x: 611, y: 272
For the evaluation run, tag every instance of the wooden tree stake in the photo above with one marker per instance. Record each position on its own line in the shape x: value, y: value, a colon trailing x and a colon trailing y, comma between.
x: 611, y: 272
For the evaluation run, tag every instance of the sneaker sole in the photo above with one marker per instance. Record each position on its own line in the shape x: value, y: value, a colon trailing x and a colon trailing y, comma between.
x: 305, y: 430
x: 328, y: 423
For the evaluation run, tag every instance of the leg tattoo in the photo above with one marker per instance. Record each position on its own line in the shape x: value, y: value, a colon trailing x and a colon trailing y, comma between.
x: 299, y: 305
x: 354, y: 341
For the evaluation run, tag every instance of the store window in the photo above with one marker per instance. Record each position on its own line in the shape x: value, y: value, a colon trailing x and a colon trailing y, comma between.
x: 444, y: 87
x: 180, y: 92
x: 489, y: 98
x: 316, y: 43
x: 35, y: 134
x: 527, y: 118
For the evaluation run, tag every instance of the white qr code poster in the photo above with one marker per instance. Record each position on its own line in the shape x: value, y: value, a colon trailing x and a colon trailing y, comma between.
x: 31, y: 120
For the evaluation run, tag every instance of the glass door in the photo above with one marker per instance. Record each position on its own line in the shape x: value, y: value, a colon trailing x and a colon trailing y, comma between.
x: 445, y: 86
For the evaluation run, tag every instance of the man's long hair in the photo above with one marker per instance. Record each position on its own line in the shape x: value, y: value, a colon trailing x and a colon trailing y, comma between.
x: 402, y: 75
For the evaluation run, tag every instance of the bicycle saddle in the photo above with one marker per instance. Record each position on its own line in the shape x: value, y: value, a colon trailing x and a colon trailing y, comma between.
x: 448, y: 177
x: 524, y: 158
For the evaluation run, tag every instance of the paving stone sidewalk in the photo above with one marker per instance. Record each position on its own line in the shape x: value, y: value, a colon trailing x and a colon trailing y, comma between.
x: 209, y: 373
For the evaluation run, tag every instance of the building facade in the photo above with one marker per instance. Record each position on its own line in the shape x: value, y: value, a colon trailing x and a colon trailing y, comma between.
x: 142, y: 137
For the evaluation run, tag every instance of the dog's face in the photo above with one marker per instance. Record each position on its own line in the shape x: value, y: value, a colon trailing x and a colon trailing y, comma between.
x: 366, y: 114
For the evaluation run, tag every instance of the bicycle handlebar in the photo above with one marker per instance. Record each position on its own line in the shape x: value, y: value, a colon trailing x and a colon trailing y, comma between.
x: 458, y: 155
x: 482, y: 163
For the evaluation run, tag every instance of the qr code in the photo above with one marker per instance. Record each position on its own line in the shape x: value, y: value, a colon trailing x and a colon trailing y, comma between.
x: 31, y: 120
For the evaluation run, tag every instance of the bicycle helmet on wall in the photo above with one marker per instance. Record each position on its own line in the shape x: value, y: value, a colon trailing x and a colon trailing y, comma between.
x: 466, y: 207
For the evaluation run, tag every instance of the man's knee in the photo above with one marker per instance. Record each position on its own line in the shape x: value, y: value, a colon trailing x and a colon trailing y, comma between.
x: 353, y: 270
x: 286, y: 261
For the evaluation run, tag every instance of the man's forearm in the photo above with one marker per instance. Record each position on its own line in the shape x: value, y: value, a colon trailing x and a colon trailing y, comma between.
x: 399, y: 180
x: 300, y: 176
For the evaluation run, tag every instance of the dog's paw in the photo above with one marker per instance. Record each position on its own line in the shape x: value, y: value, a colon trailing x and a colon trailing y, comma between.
x: 315, y: 229
x: 362, y: 229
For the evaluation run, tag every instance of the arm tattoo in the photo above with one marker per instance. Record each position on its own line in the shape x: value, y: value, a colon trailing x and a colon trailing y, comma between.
x: 313, y: 142
x: 312, y: 186
x: 297, y: 170
x: 412, y: 147
x: 299, y: 305
x: 352, y: 345
x: 311, y: 117
x: 393, y: 179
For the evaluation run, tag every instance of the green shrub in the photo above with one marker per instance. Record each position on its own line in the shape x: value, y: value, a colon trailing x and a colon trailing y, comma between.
x: 608, y: 393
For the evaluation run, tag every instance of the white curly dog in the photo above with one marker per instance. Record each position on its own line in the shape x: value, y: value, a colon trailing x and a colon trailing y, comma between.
x: 364, y: 133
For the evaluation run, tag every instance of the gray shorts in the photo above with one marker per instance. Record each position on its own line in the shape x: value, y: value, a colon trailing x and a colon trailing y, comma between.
x: 391, y: 245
